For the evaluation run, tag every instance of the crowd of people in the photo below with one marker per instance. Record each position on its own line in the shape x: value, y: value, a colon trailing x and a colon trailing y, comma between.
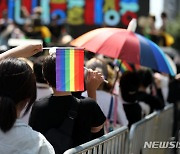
x: 126, y: 99
x: 149, y: 29
x: 30, y: 105
x: 33, y: 28
x: 55, y: 34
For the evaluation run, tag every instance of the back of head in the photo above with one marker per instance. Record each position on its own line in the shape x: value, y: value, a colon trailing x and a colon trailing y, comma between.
x: 36, y: 21
x: 145, y: 77
x: 49, y: 70
x: 163, y: 15
x: 17, y: 84
x: 129, y: 84
x: 99, y: 65
x: 37, y: 67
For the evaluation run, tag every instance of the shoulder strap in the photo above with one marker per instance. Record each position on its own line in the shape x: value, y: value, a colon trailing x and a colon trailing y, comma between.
x: 110, y: 108
x: 68, y: 123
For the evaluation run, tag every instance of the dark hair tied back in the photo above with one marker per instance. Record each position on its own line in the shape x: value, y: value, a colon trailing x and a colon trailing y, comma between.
x: 8, y: 110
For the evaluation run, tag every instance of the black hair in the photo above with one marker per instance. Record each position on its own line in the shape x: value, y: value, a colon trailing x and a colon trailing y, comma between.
x: 37, y: 67
x: 129, y: 84
x: 145, y: 77
x: 163, y: 15
x: 17, y: 83
x: 49, y: 70
x: 36, y: 20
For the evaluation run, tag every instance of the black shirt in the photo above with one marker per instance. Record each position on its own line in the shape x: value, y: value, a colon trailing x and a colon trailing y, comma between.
x: 155, y: 102
x: 133, y: 112
x: 133, y: 109
x: 50, y: 112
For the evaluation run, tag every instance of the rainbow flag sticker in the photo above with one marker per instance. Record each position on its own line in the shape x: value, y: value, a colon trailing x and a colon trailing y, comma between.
x: 69, y: 69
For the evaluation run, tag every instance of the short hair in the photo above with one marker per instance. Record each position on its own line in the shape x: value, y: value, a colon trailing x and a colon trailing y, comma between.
x: 49, y: 70
x: 145, y: 77
x: 37, y: 67
x: 129, y: 84
x: 17, y: 82
x: 163, y: 15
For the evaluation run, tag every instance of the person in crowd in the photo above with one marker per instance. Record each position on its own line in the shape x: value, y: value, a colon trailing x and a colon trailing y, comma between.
x: 55, y: 28
x: 37, y: 11
x: 164, y: 21
x: 174, y: 89
x: 166, y: 39
x: 42, y: 31
x: 18, y: 91
x: 163, y: 29
x: 128, y: 89
x: 43, y: 88
x: 148, y: 28
x: 148, y: 91
x: 153, y: 32
x: 174, y: 97
x: 90, y: 118
x: 6, y: 28
x: 135, y: 89
x: 104, y: 94
x: 162, y: 83
x: 65, y: 37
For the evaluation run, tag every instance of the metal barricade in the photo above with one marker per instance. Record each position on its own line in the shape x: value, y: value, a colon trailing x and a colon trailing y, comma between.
x: 157, y: 127
x: 138, y: 133
x: 114, y: 142
x: 154, y: 127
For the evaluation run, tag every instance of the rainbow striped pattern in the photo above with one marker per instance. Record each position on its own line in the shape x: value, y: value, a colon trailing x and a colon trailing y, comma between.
x: 69, y: 69
x: 123, y: 66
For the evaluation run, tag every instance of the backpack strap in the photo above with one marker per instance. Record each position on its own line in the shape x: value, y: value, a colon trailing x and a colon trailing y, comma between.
x: 109, y: 122
x: 68, y: 123
x: 110, y: 108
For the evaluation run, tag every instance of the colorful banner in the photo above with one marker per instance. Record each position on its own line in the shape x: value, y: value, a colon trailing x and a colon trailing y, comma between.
x: 78, y: 12
x: 69, y: 69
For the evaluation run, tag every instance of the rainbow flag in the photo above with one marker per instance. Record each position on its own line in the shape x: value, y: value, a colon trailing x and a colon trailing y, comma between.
x: 123, y: 66
x: 69, y: 69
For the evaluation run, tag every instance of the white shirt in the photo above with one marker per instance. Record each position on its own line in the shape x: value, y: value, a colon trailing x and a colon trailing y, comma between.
x: 21, y: 139
x: 104, y: 99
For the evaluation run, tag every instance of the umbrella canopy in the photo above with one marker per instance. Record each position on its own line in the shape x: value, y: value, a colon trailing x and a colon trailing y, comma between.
x: 173, y: 53
x: 125, y: 45
x: 172, y: 63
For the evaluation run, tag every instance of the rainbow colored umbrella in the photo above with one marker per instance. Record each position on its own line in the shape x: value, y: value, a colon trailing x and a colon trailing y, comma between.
x: 126, y: 45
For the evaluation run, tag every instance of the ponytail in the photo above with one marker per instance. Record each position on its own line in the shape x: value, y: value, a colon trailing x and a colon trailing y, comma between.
x: 7, y: 113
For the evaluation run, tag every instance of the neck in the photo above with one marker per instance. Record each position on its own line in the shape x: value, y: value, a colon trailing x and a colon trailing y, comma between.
x: 20, y: 106
x: 61, y: 93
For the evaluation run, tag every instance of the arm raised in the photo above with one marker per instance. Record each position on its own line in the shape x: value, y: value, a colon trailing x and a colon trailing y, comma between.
x: 22, y: 51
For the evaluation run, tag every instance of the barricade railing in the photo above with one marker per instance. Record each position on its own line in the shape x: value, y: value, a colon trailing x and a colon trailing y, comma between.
x: 114, y: 142
x: 154, y: 127
x: 157, y: 127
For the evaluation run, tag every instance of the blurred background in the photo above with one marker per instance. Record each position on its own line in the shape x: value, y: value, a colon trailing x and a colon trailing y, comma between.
x: 57, y: 22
